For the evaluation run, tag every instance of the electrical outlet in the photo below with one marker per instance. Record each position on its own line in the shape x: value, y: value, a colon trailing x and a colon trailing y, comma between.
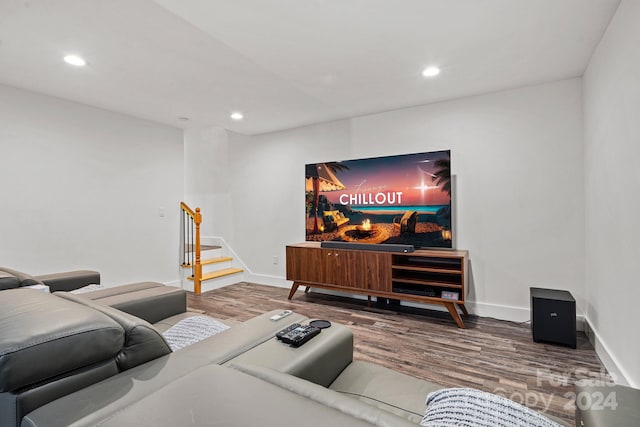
x: 275, y: 260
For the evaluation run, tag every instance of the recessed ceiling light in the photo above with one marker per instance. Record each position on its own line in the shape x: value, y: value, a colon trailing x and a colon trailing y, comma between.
x: 75, y: 60
x: 431, y: 71
x: 237, y: 116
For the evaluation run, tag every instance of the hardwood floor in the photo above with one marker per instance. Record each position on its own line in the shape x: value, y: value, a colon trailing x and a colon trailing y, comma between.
x: 492, y: 355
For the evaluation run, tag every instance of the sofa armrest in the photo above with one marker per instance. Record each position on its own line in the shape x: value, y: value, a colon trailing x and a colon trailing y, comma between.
x: 386, y: 389
x: 320, y: 360
x: 329, y: 398
x: 603, y: 404
x: 69, y: 280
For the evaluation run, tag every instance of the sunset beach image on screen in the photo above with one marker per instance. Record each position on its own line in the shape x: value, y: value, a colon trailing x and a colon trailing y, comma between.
x: 404, y: 199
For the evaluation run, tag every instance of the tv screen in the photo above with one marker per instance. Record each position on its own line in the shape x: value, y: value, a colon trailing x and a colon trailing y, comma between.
x: 402, y: 199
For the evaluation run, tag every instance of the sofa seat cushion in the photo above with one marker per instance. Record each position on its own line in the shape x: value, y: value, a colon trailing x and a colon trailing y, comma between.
x: 165, y: 324
x: 42, y: 336
x: 150, y: 301
x: 466, y: 407
x: 211, y: 395
x: 111, y: 291
x: 69, y: 280
x: 389, y: 390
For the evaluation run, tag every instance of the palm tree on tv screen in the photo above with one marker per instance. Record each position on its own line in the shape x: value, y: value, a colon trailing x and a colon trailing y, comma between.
x: 442, y: 176
x: 323, y: 178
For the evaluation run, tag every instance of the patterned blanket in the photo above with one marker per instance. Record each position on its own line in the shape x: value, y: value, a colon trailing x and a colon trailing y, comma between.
x: 466, y: 407
x: 191, y: 330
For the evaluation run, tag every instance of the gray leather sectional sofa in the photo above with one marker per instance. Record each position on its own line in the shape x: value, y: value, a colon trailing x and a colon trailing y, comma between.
x: 75, y: 360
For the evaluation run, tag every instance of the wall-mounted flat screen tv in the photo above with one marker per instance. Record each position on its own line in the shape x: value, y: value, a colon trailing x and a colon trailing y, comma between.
x: 403, y: 199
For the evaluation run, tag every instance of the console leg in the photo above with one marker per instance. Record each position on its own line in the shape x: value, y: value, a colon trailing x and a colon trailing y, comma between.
x: 294, y: 288
x: 307, y: 289
x: 454, y: 313
x: 464, y: 310
x: 369, y: 301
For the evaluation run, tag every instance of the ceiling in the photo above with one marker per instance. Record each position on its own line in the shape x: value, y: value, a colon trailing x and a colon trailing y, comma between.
x: 287, y: 63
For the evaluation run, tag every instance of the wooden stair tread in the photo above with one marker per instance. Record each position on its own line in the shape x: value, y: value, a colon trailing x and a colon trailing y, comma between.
x: 208, y: 261
x: 216, y: 260
x: 191, y: 248
x: 220, y: 273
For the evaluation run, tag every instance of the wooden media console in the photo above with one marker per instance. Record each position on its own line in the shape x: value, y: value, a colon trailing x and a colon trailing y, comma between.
x: 423, y: 276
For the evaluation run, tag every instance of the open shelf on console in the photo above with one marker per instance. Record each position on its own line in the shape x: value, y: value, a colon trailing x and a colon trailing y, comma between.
x: 428, y: 263
x: 429, y: 276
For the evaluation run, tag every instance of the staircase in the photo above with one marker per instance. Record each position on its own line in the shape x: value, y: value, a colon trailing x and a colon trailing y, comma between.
x: 207, y: 266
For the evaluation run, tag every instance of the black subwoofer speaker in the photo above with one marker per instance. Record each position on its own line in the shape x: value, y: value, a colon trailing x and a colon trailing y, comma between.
x: 553, y: 316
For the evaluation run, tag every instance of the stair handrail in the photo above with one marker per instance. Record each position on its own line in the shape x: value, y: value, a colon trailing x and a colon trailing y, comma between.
x: 192, y: 232
x: 186, y: 208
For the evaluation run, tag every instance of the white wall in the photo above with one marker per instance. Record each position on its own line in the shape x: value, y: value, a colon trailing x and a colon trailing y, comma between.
x: 517, y: 158
x: 81, y: 188
x: 267, y: 188
x: 612, y: 184
x: 206, y: 180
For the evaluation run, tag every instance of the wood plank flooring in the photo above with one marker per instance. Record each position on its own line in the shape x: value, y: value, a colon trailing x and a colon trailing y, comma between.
x: 492, y: 355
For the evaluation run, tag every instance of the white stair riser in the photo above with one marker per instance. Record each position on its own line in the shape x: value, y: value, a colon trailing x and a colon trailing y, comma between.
x: 209, y: 253
x: 212, y: 284
x: 208, y: 268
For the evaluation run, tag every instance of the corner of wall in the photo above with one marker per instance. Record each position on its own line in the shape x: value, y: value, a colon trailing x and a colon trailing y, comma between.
x: 606, y: 356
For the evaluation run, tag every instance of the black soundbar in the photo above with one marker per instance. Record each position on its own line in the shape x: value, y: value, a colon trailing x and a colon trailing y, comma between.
x: 381, y: 247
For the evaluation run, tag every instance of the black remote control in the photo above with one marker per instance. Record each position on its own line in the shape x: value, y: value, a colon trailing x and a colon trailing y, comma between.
x: 280, y: 335
x: 303, y: 336
x: 292, y: 334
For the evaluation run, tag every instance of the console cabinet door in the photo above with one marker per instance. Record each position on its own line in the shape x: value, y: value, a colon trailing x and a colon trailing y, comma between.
x: 344, y: 268
x: 363, y: 270
x: 308, y: 265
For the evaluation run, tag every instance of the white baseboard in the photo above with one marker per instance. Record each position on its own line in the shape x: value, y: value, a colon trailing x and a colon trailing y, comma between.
x: 174, y: 283
x: 265, y: 279
x: 607, y: 358
x: 510, y: 313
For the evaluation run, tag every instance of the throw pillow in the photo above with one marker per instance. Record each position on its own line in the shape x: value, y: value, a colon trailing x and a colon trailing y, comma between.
x: 466, y: 407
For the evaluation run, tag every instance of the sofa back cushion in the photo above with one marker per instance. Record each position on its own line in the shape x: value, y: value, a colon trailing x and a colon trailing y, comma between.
x: 142, y: 342
x: 43, y: 337
x: 24, y: 279
x: 8, y: 280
